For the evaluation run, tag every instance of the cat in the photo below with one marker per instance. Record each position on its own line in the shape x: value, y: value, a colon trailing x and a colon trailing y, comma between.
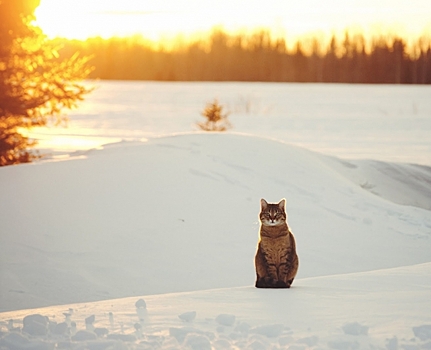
x: 276, y: 260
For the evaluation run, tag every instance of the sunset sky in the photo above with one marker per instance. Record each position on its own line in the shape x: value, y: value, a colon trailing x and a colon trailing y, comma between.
x: 156, y: 20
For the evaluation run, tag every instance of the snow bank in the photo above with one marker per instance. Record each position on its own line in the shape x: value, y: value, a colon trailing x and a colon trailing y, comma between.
x: 406, y: 184
x: 179, y: 214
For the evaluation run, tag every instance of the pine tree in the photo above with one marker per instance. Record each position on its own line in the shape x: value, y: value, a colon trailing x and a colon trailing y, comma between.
x: 35, y: 85
x: 216, y: 119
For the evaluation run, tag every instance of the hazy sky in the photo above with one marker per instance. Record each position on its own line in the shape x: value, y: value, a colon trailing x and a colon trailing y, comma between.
x: 157, y: 19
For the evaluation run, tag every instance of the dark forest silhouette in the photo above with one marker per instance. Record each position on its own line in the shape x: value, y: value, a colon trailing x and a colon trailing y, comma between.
x: 258, y: 57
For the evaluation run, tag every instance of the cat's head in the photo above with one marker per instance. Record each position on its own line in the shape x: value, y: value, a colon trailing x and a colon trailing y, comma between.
x: 273, y: 214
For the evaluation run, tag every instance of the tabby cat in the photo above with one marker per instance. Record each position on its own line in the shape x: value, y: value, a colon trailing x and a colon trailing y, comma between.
x: 276, y: 260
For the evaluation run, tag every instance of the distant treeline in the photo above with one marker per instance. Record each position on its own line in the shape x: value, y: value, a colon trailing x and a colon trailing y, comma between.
x: 258, y: 57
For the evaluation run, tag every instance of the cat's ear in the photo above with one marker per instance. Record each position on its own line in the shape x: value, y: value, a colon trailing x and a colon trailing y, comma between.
x: 282, y: 204
x: 263, y: 204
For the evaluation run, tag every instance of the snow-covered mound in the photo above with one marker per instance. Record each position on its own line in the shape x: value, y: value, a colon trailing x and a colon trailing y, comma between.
x: 179, y: 214
x: 407, y: 184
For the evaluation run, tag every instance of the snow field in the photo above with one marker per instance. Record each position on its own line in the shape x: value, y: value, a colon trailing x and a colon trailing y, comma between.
x: 150, y: 245
x: 352, y: 121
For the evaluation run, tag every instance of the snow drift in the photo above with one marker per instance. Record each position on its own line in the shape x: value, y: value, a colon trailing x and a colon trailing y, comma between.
x: 179, y: 215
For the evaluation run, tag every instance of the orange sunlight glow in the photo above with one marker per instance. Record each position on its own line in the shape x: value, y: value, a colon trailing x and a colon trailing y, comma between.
x: 162, y: 21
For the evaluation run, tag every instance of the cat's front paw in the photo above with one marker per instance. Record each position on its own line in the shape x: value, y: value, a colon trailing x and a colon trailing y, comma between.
x: 281, y: 284
x: 260, y: 283
x: 265, y: 282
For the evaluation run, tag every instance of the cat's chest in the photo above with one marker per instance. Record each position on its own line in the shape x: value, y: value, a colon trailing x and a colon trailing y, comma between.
x: 276, y: 250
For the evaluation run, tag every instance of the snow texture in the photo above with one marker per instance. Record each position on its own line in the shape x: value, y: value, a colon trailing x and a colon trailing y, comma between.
x: 150, y: 245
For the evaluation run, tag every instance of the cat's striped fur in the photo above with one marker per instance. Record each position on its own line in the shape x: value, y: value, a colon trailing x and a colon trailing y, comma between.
x: 276, y: 260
